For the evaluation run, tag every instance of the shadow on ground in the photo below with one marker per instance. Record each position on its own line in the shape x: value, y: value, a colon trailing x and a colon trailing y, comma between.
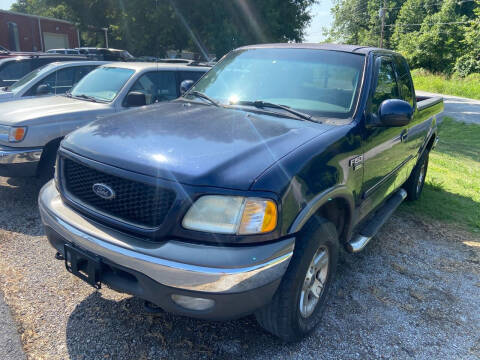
x: 18, y: 205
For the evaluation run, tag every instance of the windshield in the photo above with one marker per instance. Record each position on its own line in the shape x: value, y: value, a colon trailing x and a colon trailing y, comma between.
x: 31, y: 75
x: 103, y: 83
x: 317, y: 82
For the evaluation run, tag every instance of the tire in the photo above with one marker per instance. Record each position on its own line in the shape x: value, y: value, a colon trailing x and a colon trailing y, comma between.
x: 416, y: 181
x: 283, y: 316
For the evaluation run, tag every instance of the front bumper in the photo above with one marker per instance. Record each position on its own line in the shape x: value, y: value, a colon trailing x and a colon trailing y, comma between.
x: 239, y: 279
x: 19, y: 161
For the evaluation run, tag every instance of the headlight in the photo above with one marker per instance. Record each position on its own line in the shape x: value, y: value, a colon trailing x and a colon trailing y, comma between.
x: 12, y: 133
x: 231, y: 215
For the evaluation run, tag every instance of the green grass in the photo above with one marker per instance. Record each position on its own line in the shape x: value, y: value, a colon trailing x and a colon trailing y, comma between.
x: 452, y: 187
x: 468, y: 87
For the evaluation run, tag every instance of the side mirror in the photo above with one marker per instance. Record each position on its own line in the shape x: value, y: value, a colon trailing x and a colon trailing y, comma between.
x: 44, y: 89
x: 395, y: 112
x: 185, y: 85
x: 135, y: 98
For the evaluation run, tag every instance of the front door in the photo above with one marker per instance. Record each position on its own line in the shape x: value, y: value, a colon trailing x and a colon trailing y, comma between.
x: 384, y: 148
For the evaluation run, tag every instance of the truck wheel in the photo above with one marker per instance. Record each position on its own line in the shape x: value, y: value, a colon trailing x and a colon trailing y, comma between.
x: 416, y: 181
x: 298, y: 305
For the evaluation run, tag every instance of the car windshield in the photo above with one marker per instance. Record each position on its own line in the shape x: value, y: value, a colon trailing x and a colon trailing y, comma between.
x: 102, y: 84
x: 315, y: 82
x: 17, y: 86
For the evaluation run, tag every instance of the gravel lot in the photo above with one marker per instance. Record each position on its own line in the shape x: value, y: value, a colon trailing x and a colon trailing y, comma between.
x: 413, y: 293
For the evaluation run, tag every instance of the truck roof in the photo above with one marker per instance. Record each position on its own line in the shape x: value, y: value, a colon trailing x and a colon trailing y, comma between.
x: 357, y: 49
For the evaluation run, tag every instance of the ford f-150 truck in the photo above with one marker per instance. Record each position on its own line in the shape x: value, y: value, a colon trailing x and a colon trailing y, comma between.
x: 238, y: 197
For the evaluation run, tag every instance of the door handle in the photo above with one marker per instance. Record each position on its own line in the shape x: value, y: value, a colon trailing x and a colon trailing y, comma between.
x: 403, y: 135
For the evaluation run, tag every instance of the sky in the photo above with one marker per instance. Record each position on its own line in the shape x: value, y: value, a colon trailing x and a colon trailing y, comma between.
x: 5, y: 4
x: 321, y: 18
x: 320, y: 12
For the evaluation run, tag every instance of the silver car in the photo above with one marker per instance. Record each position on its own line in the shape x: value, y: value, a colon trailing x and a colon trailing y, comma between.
x: 31, y: 130
x: 52, y: 79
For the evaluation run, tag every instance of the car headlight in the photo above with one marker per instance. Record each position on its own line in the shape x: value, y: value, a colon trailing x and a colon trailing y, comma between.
x: 231, y: 215
x: 12, y: 133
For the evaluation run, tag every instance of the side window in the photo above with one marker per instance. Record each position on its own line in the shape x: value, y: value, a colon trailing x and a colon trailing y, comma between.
x: 189, y: 75
x: 157, y: 86
x: 58, y: 82
x: 14, y: 70
x: 405, y: 83
x: 387, y: 87
x: 81, y: 71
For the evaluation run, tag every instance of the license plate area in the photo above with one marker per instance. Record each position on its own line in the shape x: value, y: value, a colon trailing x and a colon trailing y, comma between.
x: 83, y: 265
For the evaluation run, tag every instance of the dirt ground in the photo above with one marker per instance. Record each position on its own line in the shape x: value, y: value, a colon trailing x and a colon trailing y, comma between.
x: 413, y: 293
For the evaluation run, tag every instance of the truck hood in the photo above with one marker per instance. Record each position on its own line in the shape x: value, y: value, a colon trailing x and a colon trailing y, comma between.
x: 193, y: 144
x: 32, y: 111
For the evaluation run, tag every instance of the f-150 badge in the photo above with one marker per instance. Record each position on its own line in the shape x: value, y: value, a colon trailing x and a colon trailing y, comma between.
x: 356, y: 163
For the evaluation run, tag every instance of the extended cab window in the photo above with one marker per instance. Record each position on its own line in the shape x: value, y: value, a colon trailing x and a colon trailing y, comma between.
x: 157, y: 86
x: 387, y: 87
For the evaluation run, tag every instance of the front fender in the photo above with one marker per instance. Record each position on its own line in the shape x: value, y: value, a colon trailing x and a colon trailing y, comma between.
x: 336, y: 192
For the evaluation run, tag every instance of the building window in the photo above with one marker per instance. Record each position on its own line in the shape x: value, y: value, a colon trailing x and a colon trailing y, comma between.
x: 13, y: 37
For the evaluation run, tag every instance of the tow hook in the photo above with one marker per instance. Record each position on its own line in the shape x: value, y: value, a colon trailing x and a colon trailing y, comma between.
x: 59, y: 256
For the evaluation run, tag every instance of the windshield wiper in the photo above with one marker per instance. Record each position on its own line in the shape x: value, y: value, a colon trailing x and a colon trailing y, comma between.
x: 83, y: 96
x: 260, y: 104
x: 203, y: 96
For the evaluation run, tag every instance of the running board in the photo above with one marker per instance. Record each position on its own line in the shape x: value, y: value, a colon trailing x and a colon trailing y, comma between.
x: 371, y: 228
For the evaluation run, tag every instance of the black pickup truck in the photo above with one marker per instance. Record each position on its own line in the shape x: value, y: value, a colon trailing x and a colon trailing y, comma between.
x: 238, y: 197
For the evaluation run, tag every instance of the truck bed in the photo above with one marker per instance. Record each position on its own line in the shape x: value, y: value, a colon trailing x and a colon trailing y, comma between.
x: 434, y: 102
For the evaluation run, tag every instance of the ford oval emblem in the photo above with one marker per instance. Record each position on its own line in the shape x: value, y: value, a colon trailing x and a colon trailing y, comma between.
x: 104, y: 191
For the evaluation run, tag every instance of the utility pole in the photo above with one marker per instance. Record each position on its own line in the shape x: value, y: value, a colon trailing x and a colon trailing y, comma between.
x: 382, y: 15
x: 106, y: 36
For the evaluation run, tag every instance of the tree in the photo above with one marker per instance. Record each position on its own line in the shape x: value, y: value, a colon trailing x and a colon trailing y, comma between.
x: 149, y: 27
x: 441, y: 36
x: 469, y: 62
x: 437, y: 42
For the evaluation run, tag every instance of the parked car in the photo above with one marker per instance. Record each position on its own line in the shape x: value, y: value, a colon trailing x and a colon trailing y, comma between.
x: 31, y: 130
x: 64, y: 51
x: 106, y: 54
x: 13, y: 69
x: 237, y: 197
x: 52, y: 79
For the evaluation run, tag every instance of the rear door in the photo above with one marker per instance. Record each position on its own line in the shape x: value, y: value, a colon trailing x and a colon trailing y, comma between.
x: 384, y: 150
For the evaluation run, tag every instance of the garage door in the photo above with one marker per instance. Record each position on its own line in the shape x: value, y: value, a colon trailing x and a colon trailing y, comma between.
x: 55, y: 41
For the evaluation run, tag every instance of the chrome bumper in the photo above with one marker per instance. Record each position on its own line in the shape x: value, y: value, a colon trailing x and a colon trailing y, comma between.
x: 186, y: 266
x: 9, y: 155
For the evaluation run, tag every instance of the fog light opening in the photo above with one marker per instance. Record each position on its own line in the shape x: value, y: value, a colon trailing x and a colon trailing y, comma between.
x: 193, y: 303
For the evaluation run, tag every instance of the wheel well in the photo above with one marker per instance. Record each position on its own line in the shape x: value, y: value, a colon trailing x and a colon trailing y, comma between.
x: 337, y: 211
x: 48, y: 150
x: 431, y: 142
